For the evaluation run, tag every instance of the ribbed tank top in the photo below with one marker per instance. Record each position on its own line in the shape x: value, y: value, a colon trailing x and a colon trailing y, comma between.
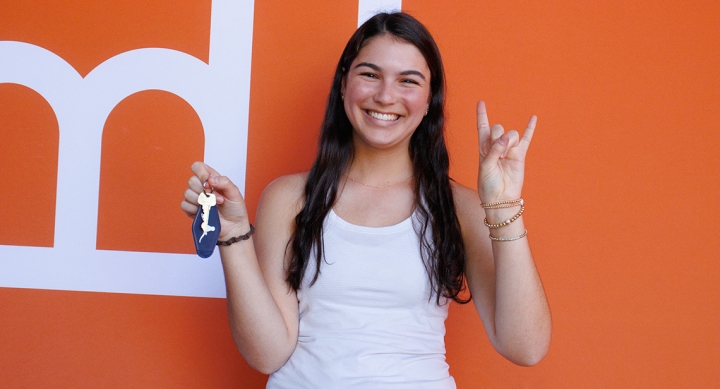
x: 368, y: 321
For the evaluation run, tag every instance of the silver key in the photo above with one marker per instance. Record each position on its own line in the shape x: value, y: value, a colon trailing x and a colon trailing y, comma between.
x: 207, y: 201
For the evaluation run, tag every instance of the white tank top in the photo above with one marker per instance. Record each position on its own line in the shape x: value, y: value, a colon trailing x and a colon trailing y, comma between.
x: 369, y: 320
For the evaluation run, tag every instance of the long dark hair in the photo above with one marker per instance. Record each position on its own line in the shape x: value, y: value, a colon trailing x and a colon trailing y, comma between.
x: 444, y: 254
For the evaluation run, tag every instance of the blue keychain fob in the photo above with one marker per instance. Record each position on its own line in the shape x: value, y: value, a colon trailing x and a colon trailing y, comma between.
x: 206, y: 226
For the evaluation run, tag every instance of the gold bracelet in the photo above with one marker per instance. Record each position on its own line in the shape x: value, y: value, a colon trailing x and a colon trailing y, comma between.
x: 509, y: 239
x: 506, y: 222
x: 503, y: 204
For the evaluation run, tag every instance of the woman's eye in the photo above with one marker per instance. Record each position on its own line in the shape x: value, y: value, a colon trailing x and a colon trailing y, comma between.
x: 410, y: 81
x: 371, y: 75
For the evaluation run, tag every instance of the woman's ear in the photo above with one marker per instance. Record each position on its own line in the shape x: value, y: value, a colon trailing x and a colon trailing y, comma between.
x: 342, y: 89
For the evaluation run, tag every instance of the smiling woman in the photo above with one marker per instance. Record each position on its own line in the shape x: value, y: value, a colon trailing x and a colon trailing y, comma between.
x: 348, y: 280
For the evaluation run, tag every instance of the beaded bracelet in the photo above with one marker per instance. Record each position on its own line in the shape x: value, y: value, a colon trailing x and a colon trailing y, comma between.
x: 506, y: 222
x: 237, y: 238
x: 503, y: 204
x: 509, y: 239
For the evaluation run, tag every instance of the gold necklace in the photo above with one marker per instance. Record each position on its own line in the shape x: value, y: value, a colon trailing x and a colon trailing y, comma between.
x: 379, y: 187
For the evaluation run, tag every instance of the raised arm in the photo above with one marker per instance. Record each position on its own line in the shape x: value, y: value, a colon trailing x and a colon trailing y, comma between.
x: 262, y: 310
x: 501, y: 273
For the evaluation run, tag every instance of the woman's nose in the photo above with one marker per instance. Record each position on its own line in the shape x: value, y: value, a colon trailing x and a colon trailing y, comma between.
x: 385, y: 94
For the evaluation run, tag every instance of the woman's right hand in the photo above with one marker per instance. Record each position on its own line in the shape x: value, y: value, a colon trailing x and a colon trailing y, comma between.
x: 234, y: 219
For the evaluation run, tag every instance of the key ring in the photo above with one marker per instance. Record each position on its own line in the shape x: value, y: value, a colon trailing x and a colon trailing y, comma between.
x: 211, y: 189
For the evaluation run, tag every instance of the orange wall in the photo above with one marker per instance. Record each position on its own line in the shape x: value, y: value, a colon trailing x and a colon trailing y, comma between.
x: 621, y: 186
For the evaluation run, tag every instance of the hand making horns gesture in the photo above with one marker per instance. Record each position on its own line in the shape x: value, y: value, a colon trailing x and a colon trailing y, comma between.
x: 502, y: 158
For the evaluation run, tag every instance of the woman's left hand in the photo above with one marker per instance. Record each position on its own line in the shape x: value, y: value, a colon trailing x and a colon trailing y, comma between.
x: 502, y: 158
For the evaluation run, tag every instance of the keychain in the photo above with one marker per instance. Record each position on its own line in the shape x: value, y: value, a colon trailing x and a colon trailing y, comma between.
x: 206, y: 226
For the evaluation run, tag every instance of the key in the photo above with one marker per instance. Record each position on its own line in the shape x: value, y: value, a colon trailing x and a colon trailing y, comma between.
x: 206, y: 202
x: 206, y: 226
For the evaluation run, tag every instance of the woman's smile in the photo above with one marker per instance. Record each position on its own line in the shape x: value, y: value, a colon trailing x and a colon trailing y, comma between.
x: 383, y: 116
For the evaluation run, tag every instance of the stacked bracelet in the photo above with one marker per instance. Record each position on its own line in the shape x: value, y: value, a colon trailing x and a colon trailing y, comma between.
x: 506, y: 222
x: 509, y: 239
x: 237, y: 238
x: 505, y: 204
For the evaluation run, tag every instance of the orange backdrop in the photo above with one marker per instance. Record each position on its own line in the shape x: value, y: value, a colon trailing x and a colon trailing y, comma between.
x: 621, y: 184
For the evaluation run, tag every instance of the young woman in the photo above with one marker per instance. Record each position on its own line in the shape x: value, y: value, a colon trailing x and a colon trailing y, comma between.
x: 347, y: 282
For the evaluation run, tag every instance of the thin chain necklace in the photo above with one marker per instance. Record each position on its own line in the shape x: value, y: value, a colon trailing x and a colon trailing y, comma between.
x: 379, y: 187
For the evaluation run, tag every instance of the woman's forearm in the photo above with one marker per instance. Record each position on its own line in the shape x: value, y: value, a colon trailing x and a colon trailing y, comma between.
x: 522, y: 324
x: 258, y: 326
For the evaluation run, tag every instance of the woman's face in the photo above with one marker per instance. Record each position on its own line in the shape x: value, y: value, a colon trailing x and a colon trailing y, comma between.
x: 386, y: 93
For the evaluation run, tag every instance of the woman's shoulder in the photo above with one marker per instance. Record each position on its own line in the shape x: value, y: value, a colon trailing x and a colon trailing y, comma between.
x: 288, y: 184
x: 467, y: 206
x: 464, y: 197
x: 285, y: 194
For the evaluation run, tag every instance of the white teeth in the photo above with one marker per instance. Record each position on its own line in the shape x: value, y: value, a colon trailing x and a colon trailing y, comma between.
x: 383, y: 116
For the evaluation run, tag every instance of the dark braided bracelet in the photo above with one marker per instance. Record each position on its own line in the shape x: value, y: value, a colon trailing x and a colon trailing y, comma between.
x: 237, y: 238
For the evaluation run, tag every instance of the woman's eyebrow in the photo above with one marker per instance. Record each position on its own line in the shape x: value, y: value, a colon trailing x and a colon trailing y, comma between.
x: 413, y: 72
x: 368, y: 64
x: 403, y: 73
